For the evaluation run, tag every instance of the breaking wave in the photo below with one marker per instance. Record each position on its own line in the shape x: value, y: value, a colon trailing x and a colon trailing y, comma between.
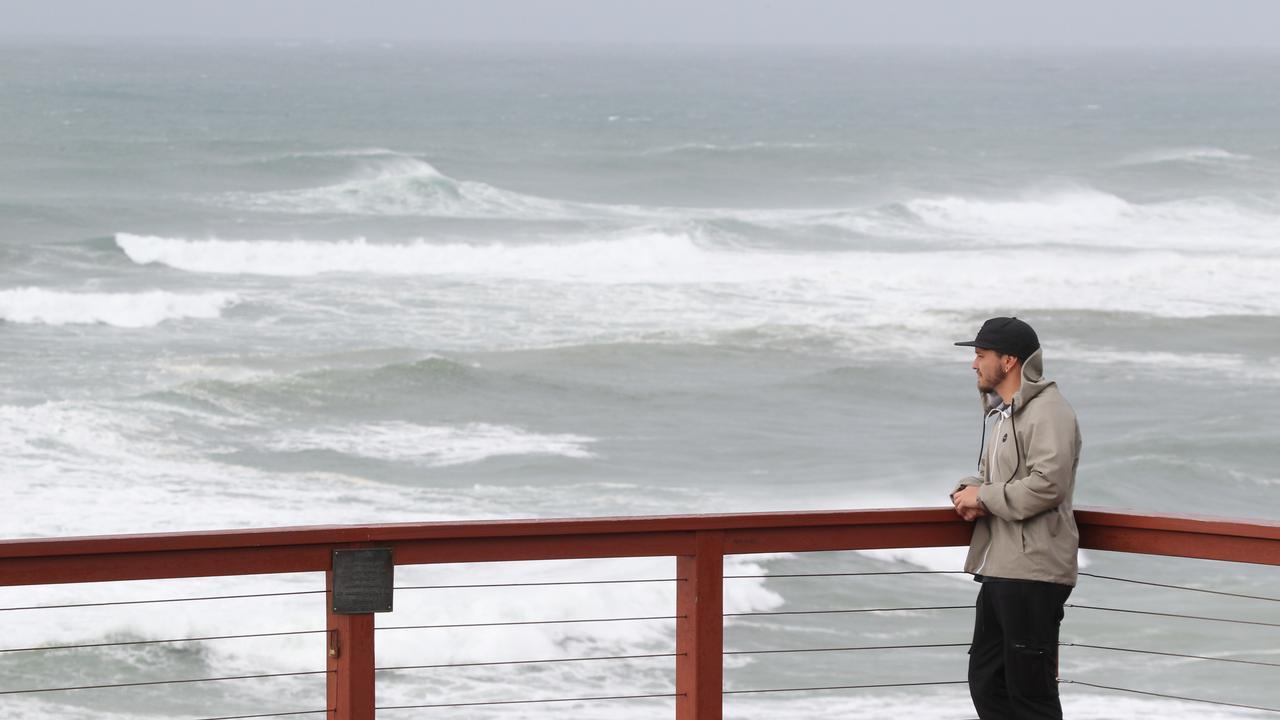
x: 400, y: 185
x: 436, y: 446
x: 1086, y: 217
x: 640, y: 255
x: 404, y: 185
x: 124, y: 310
x: 839, y: 287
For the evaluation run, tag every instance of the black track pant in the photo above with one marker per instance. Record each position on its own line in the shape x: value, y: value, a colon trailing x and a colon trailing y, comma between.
x: 1013, y: 662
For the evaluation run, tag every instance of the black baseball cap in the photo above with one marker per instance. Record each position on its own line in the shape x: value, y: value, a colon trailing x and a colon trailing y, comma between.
x: 1007, y: 336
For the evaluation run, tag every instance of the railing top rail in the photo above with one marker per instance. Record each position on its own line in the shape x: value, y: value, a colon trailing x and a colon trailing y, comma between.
x: 1138, y: 520
x: 534, y: 528
x: 462, y: 529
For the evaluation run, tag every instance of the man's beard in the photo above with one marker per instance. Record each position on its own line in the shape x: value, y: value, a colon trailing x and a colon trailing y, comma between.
x: 985, y: 387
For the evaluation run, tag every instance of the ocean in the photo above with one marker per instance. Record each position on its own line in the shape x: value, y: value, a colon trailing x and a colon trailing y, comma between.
x: 247, y: 285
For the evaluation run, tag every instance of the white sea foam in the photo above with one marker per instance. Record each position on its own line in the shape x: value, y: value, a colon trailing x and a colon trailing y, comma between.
x: 1085, y: 217
x: 435, y: 446
x: 361, y: 152
x: 634, y: 256
x: 1066, y: 211
x: 126, y: 310
x: 61, y: 454
x: 69, y: 451
x: 1215, y: 363
x: 837, y: 288
x: 1193, y: 154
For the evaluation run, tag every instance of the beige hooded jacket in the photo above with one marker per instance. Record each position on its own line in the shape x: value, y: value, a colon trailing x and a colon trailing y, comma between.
x: 1026, y: 477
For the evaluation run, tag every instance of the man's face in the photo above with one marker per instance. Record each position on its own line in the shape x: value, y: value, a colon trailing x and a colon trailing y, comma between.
x: 989, y: 365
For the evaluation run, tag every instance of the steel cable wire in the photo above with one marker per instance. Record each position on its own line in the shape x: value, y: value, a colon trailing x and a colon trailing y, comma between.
x: 845, y: 687
x: 122, y: 643
x: 529, y: 622
x: 1181, y: 587
x: 667, y: 655
x: 642, y: 618
x: 320, y: 592
x: 529, y: 702
x: 162, y: 600
x: 1170, y: 697
x: 851, y: 574
x: 1171, y: 654
x: 852, y: 610
x: 609, y: 582
x: 845, y: 649
x: 265, y: 715
x: 660, y: 695
x: 527, y: 662
x: 537, y: 584
x: 163, y: 682
x: 677, y: 579
x: 1174, y: 615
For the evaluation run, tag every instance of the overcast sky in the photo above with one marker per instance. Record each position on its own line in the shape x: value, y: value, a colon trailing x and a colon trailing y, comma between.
x: 858, y: 22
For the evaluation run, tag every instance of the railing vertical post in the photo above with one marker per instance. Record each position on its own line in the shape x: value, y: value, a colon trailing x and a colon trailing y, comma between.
x: 350, y: 650
x: 700, y: 629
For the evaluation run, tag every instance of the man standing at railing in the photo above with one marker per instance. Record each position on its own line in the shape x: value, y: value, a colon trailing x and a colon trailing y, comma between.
x: 1024, y: 542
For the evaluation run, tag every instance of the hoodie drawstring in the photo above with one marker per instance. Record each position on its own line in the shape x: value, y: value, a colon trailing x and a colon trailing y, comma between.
x: 1005, y: 411
x: 982, y: 443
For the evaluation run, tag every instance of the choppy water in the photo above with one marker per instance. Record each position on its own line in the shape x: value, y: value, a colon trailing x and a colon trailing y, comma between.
x: 271, y: 285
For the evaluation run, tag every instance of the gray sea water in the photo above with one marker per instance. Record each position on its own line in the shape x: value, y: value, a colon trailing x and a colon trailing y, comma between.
x: 298, y: 284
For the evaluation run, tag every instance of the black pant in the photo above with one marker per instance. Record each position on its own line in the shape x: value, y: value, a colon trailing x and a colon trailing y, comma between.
x: 1013, y: 662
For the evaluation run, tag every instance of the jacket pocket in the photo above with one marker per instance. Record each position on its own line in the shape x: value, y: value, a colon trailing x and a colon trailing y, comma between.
x: 1034, y: 671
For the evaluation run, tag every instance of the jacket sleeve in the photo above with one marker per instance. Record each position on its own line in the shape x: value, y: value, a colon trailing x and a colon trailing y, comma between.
x: 1052, y: 447
x: 966, y: 482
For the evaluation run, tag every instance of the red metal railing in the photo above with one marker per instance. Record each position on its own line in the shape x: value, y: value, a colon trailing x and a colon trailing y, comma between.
x: 698, y: 542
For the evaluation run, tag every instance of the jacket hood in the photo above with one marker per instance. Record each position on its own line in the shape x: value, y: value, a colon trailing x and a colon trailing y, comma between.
x: 1033, y: 383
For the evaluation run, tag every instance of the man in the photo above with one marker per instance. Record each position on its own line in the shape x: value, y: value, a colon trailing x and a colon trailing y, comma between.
x: 1024, y: 542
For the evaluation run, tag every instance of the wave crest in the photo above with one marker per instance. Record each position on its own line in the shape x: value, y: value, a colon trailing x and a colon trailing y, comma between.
x: 404, y: 185
x: 1193, y: 154
x: 125, y: 310
x: 1090, y: 218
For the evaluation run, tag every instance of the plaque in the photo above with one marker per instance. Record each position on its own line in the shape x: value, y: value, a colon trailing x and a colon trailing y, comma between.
x: 362, y: 581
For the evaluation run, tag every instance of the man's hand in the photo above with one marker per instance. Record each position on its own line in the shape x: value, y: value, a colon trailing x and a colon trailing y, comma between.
x: 967, y: 504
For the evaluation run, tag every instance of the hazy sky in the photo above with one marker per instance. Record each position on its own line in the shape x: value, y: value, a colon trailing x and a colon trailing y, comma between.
x: 930, y: 22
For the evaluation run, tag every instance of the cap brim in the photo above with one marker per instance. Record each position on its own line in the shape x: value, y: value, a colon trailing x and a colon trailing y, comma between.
x: 968, y: 343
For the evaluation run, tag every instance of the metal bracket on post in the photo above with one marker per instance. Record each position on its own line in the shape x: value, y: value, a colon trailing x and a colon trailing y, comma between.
x: 335, y: 643
x: 700, y: 629
x: 359, y: 584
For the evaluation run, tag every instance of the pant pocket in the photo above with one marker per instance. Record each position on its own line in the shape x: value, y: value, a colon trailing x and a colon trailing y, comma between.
x: 1034, y: 670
